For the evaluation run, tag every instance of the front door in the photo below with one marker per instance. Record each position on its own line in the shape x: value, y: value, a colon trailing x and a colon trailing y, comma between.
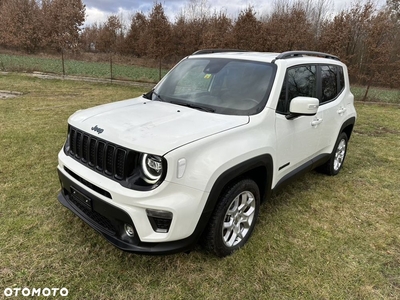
x: 298, y: 138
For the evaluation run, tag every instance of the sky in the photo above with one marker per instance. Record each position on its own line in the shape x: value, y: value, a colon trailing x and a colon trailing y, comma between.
x: 97, y: 11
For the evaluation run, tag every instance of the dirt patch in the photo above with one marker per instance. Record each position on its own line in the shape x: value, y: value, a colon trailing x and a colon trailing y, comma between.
x: 378, y: 131
x: 9, y: 94
x: 91, y: 79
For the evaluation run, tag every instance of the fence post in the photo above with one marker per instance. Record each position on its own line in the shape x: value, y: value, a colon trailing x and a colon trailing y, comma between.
x: 159, y: 73
x: 111, y: 67
x: 62, y: 59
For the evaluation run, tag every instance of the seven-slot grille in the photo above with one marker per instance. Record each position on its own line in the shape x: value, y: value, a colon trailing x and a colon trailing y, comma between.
x: 109, y: 159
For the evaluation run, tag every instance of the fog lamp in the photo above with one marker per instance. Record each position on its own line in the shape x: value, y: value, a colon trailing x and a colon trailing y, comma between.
x: 129, y: 230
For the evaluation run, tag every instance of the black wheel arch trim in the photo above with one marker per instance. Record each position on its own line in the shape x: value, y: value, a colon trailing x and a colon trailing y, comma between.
x: 259, y: 165
x: 244, y: 169
x: 263, y: 162
x: 349, y: 123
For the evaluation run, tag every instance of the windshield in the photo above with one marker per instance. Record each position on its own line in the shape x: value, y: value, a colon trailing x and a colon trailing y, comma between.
x: 225, y: 86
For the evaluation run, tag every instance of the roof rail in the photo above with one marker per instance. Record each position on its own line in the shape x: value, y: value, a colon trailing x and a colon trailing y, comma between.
x: 208, y: 51
x: 291, y: 54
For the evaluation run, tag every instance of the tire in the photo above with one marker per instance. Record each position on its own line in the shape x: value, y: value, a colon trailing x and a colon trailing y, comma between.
x: 233, y: 219
x: 335, y: 163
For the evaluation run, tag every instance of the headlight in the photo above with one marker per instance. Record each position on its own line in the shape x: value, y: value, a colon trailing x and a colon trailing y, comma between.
x: 66, y: 144
x: 152, y: 167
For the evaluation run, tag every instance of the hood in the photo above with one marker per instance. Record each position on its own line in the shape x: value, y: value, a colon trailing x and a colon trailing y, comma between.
x: 151, y: 126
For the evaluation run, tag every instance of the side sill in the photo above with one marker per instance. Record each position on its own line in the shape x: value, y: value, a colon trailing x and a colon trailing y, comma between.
x: 308, y: 166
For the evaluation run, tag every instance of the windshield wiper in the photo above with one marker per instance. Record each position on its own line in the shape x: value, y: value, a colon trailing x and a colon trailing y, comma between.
x: 195, y: 106
x: 191, y: 105
x: 148, y: 96
x: 158, y: 96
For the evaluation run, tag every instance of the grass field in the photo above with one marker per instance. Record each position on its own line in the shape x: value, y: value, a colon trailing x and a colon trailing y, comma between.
x: 382, y: 95
x: 32, y: 63
x: 321, y: 238
x: 25, y: 63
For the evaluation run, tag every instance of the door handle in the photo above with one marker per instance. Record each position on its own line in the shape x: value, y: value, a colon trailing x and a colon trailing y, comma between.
x: 316, y: 122
x: 342, y: 110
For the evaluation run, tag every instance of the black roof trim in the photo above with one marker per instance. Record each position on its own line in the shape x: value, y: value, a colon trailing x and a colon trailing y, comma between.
x: 208, y: 51
x: 292, y: 54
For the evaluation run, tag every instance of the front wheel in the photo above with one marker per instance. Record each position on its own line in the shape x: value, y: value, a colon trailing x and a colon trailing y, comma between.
x: 335, y: 163
x: 233, y: 219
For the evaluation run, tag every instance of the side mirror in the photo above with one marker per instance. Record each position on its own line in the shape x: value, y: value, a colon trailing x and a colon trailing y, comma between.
x: 303, y: 106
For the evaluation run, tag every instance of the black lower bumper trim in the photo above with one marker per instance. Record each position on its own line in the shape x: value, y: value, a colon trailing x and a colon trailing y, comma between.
x: 109, y: 221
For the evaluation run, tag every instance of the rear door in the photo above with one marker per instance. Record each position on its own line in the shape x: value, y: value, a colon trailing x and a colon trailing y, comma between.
x: 332, y: 105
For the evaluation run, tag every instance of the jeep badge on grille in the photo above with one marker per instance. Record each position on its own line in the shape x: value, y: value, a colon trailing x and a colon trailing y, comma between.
x: 97, y: 129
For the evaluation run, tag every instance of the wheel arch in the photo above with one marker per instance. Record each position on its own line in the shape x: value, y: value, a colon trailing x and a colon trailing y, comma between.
x: 259, y: 169
x: 347, y: 127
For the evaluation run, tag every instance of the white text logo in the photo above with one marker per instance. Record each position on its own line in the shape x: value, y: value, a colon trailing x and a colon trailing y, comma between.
x: 27, y: 292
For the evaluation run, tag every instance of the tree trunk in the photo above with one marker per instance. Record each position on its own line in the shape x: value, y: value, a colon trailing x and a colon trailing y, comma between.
x: 366, y: 92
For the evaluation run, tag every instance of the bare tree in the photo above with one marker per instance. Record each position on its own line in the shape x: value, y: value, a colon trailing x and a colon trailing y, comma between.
x: 109, y: 35
x: 63, y: 21
x: 197, y: 10
x: 377, y: 66
x: 394, y: 8
x: 89, y: 37
x: 159, y: 34
x: 288, y: 27
x: 218, y: 31
x: 317, y: 12
x: 20, y: 25
x: 365, y: 38
x: 191, y: 25
x: 179, y: 36
x: 345, y: 36
x: 62, y: 24
x: 137, y: 40
x: 246, y: 30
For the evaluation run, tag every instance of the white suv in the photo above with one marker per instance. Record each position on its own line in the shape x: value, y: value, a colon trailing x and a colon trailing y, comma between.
x: 193, y: 159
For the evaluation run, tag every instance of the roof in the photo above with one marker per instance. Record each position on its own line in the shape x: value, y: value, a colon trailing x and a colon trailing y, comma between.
x: 261, y: 56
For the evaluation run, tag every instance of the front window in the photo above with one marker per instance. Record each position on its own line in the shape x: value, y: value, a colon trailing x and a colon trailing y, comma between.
x: 299, y: 81
x: 226, y: 86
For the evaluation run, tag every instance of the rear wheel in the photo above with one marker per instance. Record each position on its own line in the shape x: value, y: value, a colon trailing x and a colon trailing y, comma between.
x: 335, y: 163
x: 234, y: 218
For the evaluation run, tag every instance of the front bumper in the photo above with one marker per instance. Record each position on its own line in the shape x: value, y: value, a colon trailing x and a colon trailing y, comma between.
x: 110, y: 220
